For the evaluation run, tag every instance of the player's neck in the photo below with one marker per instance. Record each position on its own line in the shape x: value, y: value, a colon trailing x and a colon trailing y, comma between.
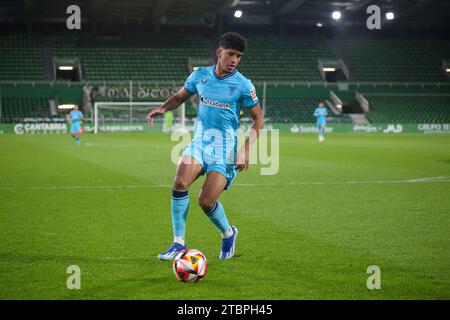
x: 220, y: 72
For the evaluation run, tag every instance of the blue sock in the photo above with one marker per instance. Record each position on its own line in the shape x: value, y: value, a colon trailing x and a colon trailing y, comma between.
x: 218, y: 217
x: 180, y: 208
x: 77, y: 140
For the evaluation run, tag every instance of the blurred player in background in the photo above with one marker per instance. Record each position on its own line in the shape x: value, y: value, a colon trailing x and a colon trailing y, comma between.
x: 168, y: 121
x: 223, y: 91
x: 75, y: 117
x: 321, y: 114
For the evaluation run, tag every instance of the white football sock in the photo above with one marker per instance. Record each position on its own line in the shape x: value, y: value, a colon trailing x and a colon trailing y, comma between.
x: 227, y: 234
x: 179, y: 240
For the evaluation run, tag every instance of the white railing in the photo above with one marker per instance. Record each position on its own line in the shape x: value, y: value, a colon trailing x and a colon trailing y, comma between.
x: 344, y: 68
x: 336, y: 101
x: 320, y: 67
x: 362, y: 101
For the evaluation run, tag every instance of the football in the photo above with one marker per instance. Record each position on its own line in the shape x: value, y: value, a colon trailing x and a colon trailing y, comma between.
x: 190, y: 265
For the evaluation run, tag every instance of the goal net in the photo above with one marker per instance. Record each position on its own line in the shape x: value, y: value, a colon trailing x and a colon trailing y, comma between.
x: 132, y: 117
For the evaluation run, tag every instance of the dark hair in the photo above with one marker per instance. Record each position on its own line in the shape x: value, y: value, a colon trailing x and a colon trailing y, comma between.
x: 233, y: 40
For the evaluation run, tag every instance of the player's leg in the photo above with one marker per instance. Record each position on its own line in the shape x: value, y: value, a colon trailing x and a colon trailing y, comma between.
x: 212, y: 188
x: 188, y: 170
x: 75, y: 129
x: 72, y: 131
x: 320, y: 131
x: 77, y: 137
x: 79, y: 133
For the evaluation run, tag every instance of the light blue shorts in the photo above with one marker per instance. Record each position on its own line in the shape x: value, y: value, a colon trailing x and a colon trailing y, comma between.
x: 214, y: 157
x: 75, y: 127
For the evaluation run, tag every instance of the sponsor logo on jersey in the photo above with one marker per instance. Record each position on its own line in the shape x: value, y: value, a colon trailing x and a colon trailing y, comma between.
x: 213, y: 103
x: 253, y: 93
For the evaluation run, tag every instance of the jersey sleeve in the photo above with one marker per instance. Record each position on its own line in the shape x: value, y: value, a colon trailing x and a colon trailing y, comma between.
x: 190, y: 85
x: 249, y: 97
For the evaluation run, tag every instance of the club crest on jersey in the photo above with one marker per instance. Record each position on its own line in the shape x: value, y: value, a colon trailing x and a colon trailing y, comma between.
x: 232, y: 89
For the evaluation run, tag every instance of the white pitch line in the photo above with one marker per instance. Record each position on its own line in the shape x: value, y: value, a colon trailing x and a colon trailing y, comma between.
x: 428, y: 179
x: 270, y: 184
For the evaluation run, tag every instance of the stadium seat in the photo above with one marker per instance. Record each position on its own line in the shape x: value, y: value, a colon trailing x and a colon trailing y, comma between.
x: 17, y: 109
x: 409, y: 109
x: 21, y: 57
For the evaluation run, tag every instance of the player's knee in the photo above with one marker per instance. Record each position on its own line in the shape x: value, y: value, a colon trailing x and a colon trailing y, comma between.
x: 180, y: 184
x: 206, y: 203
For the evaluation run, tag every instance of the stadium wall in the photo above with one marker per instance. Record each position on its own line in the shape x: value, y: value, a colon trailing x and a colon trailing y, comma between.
x: 38, y: 128
x: 73, y: 93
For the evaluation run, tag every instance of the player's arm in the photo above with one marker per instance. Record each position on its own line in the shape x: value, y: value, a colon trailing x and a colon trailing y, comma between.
x: 243, y: 155
x: 172, y: 103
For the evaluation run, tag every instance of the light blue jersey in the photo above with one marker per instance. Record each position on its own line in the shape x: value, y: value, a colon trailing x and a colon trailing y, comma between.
x: 220, y: 98
x: 76, y: 116
x: 215, y: 132
x: 321, y: 115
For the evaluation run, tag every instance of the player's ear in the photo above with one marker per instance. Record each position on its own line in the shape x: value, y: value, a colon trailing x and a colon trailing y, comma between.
x: 218, y: 52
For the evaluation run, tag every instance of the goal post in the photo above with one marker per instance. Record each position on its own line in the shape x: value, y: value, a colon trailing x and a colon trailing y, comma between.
x: 132, y: 115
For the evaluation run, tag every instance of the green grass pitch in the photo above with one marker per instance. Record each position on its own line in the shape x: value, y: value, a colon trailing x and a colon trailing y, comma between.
x: 309, y: 232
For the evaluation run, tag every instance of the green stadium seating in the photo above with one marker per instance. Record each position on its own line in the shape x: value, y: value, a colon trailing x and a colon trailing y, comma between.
x: 162, y: 59
x: 269, y: 57
x: 287, y: 110
x: 395, y: 60
x: 16, y: 109
x: 409, y: 109
x: 21, y: 57
x: 283, y: 58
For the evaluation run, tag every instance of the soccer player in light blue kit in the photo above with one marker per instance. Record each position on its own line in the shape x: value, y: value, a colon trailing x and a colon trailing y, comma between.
x: 222, y: 92
x: 321, y: 114
x: 75, y: 116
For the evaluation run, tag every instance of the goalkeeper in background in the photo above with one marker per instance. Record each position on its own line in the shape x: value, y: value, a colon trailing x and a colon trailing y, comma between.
x: 168, y: 121
x: 222, y: 92
x: 321, y: 114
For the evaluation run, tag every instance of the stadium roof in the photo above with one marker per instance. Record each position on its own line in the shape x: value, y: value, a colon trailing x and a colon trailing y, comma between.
x: 308, y: 12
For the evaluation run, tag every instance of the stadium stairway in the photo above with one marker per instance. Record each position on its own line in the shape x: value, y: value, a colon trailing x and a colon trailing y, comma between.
x: 358, y: 118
